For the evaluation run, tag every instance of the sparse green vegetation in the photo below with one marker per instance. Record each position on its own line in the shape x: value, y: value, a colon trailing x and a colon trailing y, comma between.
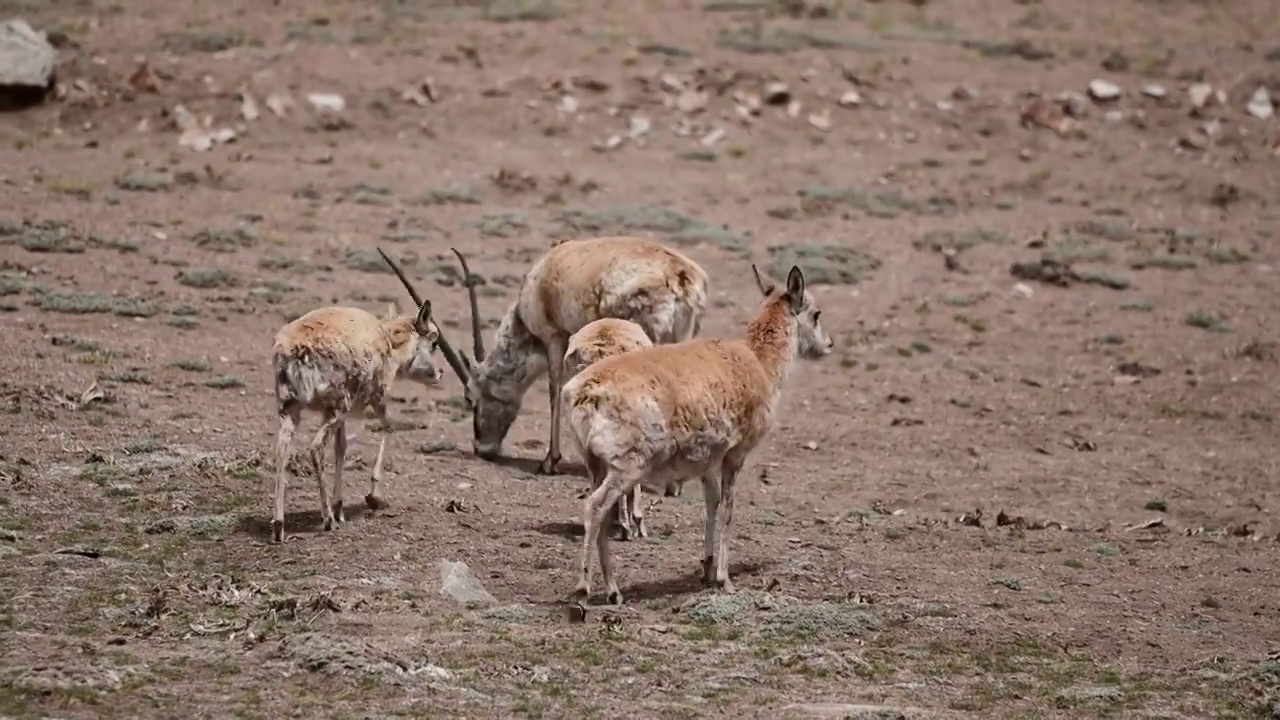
x: 1206, y: 320
x: 881, y: 203
x: 207, y: 278
x: 822, y: 264
x: 224, y: 382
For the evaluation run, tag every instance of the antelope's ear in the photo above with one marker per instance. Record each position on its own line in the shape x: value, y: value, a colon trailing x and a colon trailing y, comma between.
x: 424, y: 315
x: 766, y: 286
x: 393, y: 309
x: 795, y: 289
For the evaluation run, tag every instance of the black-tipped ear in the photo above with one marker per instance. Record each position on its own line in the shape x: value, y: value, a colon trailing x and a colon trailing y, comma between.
x: 765, y: 286
x: 795, y: 288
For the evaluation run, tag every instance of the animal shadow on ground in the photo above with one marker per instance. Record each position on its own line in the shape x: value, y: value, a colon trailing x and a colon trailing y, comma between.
x: 529, y: 466
x: 259, y: 525
x: 690, y: 583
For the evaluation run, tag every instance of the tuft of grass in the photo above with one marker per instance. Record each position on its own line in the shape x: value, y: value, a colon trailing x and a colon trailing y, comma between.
x: 225, y: 241
x: 143, y: 446
x: 207, y: 278
x: 502, y: 224
x: 368, y: 261
x: 224, y: 382
x: 1226, y: 255
x: 887, y: 204
x: 1157, y: 504
x: 135, y: 308
x: 822, y: 264
x: 1206, y: 320
x: 680, y: 227
x: 698, y: 155
x: 142, y: 181
x: 186, y: 42
x: 1164, y: 262
x: 1137, y: 306
x: 461, y: 195
x: 199, y: 365
x: 73, y: 303
x: 504, y: 11
x: 946, y: 240
x: 44, y: 237
x: 183, y: 322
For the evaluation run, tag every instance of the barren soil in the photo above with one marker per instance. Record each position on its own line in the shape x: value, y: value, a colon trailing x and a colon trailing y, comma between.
x: 1036, y: 491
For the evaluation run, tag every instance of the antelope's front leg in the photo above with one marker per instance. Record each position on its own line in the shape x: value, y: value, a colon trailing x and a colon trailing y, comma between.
x: 555, y: 381
x: 373, y: 500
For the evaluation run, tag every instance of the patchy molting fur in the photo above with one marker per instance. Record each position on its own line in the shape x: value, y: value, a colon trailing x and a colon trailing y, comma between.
x: 597, y: 340
x: 576, y: 282
x: 694, y: 409
x: 337, y: 361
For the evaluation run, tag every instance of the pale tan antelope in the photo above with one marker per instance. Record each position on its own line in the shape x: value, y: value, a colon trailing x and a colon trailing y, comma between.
x: 575, y: 282
x: 694, y: 409
x: 337, y: 361
x: 597, y: 340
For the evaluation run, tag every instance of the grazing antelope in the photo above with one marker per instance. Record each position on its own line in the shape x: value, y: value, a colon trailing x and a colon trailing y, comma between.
x: 693, y: 409
x: 575, y: 282
x: 337, y: 361
x: 597, y: 340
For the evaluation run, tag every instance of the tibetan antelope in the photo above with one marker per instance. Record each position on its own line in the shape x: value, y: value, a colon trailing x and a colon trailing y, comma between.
x: 597, y: 340
x: 693, y: 409
x: 575, y: 282
x: 337, y: 361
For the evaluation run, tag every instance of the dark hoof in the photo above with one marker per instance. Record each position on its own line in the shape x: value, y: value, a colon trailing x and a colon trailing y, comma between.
x: 708, y: 571
x: 339, y: 515
x: 642, y: 530
x: 374, y: 502
x: 549, y: 466
x: 277, y: 531
x: 625, y: 534
x: 615, y: 598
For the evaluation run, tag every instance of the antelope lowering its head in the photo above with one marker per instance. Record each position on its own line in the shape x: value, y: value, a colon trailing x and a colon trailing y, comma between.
x: 337, y: 361
x: 597, y: 340
x: 695, y: 409
x: 574, y: 283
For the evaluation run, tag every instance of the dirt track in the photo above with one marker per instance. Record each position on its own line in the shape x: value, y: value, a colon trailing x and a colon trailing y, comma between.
x: 1041, y: 492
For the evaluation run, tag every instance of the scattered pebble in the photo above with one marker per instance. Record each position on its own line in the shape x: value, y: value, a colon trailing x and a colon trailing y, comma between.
x: 1155, y: 91
x: 1260, y: 105
x: 329, y: 102
x: 1104, y: 90
x: 850, y: 98
x: 777, y: 93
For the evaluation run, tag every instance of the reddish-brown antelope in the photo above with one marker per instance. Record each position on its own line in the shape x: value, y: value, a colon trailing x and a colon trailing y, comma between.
x: 575, y: 282
x: 337, y: 361
x: 597, y: 340
x: 694, y: 409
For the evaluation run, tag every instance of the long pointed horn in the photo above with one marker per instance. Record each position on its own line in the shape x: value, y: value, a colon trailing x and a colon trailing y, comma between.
x: 450, y: 355
x: 469, y: 281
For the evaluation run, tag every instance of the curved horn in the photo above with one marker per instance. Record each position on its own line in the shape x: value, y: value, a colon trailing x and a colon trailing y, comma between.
x: 450, y: 355
x: 469, y: 281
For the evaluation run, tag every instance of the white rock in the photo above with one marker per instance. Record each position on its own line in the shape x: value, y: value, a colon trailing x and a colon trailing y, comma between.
x: 248, y: 106
x: 1201, y: 94
x: 26, y: 57
x: 821, y: 120
x: 850, y: 98
x: 1259, y: 105
x: 568, y: 105
x: 329, y: 102
x: 640, y: 126
x: 691, y: 101
x: 1154, y: 91
x: 279, y: 103
x: 1104, y: 90
x: 712, y: 137
x: 1023, y: 289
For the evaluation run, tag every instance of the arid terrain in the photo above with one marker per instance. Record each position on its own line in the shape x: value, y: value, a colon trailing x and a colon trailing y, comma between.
x: 1036, y: 478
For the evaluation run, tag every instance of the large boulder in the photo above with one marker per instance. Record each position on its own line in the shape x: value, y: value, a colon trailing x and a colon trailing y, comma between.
x: 27, y: 63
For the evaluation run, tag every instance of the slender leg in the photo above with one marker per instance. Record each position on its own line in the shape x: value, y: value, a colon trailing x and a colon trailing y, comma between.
x: 637, y: 513
x: 555, y: 381
x: 317, y: 464
x: 673, y: 490
x: 373, y: 500
x: 339, y: 458
x: 289, y: 417
x: 728, y: 477
x: 594, y: 516
x: 710, y: 526
x: 612, y: 595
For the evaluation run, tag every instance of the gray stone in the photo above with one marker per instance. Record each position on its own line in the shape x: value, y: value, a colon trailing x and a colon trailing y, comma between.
x: 457, y: 582
x: 847, y: 711
x: 27, y: 60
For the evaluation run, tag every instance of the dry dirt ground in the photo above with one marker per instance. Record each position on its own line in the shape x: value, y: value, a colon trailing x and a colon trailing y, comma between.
x: 1036, y: 491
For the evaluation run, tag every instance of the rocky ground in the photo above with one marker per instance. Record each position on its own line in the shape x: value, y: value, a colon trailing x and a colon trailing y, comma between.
x: 1036, y: 478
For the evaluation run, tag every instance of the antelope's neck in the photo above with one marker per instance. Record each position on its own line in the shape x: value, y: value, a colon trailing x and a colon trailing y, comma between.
x: 517, y: 358
x: 772, y: 337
